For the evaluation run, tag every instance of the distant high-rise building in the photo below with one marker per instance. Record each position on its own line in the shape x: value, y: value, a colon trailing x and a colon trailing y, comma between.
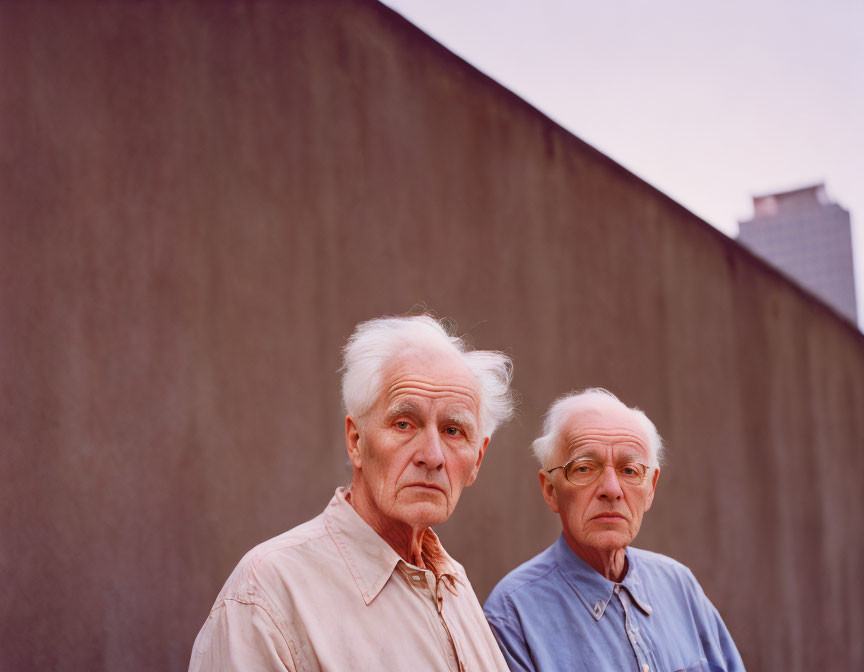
x: 809, y: 238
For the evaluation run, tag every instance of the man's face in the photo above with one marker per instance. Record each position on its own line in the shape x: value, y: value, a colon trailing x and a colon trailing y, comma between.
x: 420, y: 444
x: 605, y: 515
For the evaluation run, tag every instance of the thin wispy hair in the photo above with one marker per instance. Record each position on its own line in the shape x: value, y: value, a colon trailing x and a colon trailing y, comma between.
x: 376, y: 343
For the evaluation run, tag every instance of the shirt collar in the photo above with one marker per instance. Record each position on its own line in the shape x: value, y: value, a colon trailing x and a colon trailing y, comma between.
x: 370, y: 559
x: 592, y: 588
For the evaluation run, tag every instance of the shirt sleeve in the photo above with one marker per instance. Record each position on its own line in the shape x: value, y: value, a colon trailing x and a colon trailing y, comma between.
x: 717, y: 643
x: 240, y: 636
x: 725, y: 655
x: 508, y: 633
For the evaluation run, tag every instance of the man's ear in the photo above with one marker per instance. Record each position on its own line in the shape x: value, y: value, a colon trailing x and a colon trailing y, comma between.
x: 550, y: 494
x: 654, y: 480
x: 476, y: 469
x: 352, y: 441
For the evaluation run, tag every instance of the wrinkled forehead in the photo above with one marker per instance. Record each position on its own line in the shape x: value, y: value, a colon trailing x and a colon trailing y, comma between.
x: 431, y: 375
x: 597, y: 427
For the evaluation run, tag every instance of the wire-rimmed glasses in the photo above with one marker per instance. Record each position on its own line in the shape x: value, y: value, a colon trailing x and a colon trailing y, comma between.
x: 583, y: 471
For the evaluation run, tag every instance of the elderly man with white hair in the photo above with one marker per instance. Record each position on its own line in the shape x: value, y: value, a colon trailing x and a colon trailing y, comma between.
x: 591, y: 601
x: 366, y: 585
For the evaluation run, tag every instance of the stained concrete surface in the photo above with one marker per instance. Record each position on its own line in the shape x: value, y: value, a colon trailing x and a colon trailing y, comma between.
x: 198, y: 202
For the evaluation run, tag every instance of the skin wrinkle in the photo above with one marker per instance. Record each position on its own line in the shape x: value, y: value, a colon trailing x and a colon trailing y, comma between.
x: 594, y: 454
x: 431, y: 387
x: 421, y: 431
x: 598, y: 436
x: 610, y: 434
x: 436, y: 392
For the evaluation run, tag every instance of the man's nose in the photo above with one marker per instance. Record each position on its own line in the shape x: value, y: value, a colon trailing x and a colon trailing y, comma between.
x: 430, y: 452
x: 609, y: 486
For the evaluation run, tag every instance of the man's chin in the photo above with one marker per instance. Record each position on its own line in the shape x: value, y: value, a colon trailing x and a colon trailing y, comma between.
x: 425, y: 512
x: 609, y: 540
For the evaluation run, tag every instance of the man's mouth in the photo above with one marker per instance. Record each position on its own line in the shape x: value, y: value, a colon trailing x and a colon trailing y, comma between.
x: 426, y: 486
x: 609, y: 517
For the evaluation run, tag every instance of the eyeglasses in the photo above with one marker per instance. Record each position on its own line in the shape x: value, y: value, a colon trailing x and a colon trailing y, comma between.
x: 585, y: 472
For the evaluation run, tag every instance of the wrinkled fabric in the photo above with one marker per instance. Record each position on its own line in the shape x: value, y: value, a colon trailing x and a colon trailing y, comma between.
x: 555, y: 612
x: 333, y: 595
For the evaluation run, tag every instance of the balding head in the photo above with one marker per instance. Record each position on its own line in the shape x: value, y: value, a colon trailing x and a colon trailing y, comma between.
x: 593, y: 401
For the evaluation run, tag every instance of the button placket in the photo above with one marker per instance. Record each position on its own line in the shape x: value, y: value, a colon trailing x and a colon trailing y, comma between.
x: 417, y: 579
x: 455, y: 660
x: 632, y: 632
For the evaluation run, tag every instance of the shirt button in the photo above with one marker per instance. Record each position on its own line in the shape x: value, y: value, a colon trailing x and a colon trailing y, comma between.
x: 617, y: 589
x: 645, y: 668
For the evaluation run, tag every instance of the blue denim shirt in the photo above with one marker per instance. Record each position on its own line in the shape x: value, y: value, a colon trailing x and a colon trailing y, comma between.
x: 557, y: 613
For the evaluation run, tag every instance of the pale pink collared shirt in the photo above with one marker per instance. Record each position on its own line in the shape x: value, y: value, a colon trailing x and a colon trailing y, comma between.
x: 333, y: 595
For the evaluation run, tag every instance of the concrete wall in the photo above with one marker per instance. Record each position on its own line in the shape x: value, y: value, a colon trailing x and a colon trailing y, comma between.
x: 198, y: 202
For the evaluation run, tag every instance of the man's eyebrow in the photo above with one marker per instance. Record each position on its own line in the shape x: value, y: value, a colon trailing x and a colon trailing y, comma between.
x: 590, y: 453
x: 631, y: 457
x: 464, y: 419
x: 402, y: 408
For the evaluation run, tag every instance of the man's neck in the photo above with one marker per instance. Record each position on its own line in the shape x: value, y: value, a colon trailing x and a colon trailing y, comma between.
x: 611, y: 563
x: 406, y: 540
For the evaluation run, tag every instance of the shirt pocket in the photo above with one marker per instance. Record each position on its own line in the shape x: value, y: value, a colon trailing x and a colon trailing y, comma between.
x: 700, y: 665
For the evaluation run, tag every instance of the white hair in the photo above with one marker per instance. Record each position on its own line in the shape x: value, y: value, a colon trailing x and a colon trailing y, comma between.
x: 563, y: 407
x: 376, y: 343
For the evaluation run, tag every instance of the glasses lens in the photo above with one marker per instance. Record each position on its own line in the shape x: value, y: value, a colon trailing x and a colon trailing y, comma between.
x: 633, y: 474
x: 585, y: 472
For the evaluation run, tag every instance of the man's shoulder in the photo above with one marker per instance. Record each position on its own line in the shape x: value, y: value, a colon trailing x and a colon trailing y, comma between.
x: 280, y: 558
x: 657, y: 562
x: 522, y: 578
x: 306, y: 537
x: 664, y: 572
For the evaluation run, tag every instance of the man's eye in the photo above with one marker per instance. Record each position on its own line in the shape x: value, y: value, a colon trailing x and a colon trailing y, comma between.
x: 402, y: 424
x: 453, y: 431
x: 583, y: 468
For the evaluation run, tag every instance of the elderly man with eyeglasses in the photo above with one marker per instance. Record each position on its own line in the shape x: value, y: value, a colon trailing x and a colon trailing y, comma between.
x: 590, y: 601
